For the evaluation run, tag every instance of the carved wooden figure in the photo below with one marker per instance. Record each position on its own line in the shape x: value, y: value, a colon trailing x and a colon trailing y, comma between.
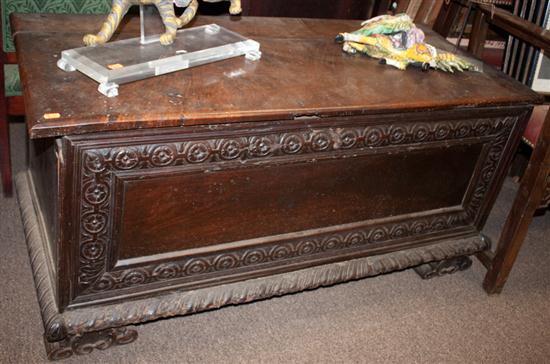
x: 166, y: 11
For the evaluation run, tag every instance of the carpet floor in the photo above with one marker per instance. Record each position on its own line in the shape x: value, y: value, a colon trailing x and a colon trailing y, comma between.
x: 393, y: 318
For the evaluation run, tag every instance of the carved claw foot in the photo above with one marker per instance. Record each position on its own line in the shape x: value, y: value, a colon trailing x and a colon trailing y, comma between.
x: 167, y: 38
x: 448, y: 266
x: 85, y: 344
x: 92, y: 40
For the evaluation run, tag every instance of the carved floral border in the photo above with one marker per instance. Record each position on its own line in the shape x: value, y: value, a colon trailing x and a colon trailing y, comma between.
x: 99, y: 164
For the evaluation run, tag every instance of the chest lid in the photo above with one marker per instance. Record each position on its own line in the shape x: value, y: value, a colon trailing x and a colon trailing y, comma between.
x: 303, y: 72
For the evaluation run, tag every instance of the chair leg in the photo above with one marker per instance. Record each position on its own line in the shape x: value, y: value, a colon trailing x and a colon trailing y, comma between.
x: 5, y: 161
x: 529, y: 195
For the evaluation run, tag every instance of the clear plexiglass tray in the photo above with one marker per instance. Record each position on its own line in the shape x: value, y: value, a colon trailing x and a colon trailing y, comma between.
x: 129, y: 60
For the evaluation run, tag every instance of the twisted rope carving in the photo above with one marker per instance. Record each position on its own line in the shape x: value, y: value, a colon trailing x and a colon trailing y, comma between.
x: 53, y: 322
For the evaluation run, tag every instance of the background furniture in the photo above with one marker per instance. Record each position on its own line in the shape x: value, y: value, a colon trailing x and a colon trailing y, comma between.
x: 421, y: 11
x: 244, y: 180
x: 533, y: 188
x: 346, y: 9
x: 535, y: 184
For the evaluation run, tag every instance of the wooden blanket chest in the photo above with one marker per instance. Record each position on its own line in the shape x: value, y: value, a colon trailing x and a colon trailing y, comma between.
x: 245, y: 180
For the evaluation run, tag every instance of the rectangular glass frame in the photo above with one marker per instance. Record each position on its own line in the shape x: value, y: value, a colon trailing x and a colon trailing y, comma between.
x: 128, y: 60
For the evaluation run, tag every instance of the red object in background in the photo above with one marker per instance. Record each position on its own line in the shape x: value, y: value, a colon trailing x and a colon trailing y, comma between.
x: 534, y: 126
x: 493, y: 56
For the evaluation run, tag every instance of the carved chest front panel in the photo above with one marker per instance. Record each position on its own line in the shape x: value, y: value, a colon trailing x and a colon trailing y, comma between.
x: 149, y: 211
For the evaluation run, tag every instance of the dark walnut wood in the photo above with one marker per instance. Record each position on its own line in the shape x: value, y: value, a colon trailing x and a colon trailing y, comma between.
x: 198, y: 189
x: 183, y: 201
x: 302, y: 72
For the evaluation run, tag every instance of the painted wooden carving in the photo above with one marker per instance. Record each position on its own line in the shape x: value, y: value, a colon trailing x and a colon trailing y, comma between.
x: 396, y: 41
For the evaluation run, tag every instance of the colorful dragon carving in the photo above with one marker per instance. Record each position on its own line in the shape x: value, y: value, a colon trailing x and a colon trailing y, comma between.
x: 396, y: 41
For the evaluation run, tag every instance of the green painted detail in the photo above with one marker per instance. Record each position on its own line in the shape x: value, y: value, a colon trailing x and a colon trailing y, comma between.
x: 47, y: 6
x: 12, y: 83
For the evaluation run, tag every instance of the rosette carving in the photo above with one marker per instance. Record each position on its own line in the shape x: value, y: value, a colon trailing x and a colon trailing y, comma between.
x: 420, y: 132
x: 374, y: 136
x: 230, y: 149
x: 163, y: 155
x: 348, y: 138
x: 126, y: 158
x: 397, y: 134
x: 197, y: 152
x: 96, y: 193
x: 94, y: 223
x: 260, y: 146
x: 292, y: 143
x: 274, y: 252
x: 442, y: 131
x: 320, y: 141
x: 98, y: 165
x: 92, y: 250
x: 94, y: 162
x: 166, y: 271
x: 504, y: 127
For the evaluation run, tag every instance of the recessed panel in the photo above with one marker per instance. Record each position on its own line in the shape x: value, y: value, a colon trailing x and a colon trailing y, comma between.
x: 181, y: 209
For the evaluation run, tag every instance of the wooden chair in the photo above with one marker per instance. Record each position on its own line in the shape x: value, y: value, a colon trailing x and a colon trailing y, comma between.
x: 534, y: 183
x: 11, y: 101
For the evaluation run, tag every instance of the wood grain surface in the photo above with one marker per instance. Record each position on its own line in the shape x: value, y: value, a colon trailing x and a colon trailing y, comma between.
x: 303, y: 72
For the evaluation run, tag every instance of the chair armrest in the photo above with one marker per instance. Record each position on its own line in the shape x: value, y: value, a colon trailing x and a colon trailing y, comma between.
x: 518, y: 27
